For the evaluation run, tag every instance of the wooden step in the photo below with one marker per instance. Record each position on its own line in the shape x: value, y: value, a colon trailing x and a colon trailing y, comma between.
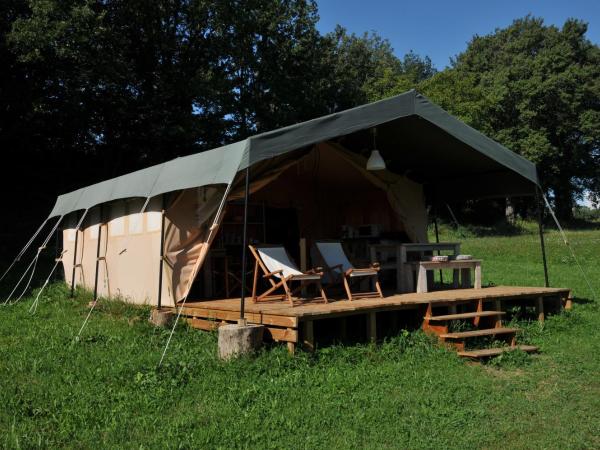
x: 477, y: 333
x: 489, y: 352
x: 469, y: 315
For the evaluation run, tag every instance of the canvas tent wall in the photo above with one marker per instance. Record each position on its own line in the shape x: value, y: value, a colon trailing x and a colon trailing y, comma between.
x: 130, y: 240
x: 423, y: 146
x: 130, y: 245
x: 330, y: 187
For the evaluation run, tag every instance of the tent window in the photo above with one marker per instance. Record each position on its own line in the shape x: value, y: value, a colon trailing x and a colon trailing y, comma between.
x: 116, y: 225
x: 136, y: 220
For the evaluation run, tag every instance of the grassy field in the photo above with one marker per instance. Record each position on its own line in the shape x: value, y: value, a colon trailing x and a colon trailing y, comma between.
x: 105, y: 392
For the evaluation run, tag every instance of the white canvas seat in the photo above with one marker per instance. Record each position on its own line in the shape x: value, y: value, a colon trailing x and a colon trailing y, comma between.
x: 280, y: 271
x: 339, y: 267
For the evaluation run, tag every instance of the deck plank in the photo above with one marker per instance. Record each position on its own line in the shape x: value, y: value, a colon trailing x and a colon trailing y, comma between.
x: 344, y: 307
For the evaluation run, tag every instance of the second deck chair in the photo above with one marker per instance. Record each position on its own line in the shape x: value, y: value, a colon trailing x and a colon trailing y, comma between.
x: 339, y: 266
x: 280, y: 271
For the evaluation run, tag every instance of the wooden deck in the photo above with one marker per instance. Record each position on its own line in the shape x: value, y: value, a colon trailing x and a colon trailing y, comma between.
x: 284, y: 322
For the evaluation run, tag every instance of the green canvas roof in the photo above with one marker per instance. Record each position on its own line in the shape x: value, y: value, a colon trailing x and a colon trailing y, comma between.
x: 416, y: 138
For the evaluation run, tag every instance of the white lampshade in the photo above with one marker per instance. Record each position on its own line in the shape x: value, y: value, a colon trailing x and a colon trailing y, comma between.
x: 375, y: 161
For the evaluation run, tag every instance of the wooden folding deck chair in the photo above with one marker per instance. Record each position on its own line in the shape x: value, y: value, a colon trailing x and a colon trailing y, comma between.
x: 338, y: 266
x: 280, y: 271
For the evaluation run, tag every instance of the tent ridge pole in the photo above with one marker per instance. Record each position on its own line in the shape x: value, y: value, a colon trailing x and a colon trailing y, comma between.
x: 162, y: 253
x: 244, y: 245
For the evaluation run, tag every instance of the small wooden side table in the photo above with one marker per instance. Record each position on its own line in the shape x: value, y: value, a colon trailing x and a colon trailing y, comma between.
x: 464, y: 266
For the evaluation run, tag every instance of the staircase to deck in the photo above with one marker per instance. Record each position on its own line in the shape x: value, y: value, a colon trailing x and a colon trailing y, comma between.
x: 481, y: 323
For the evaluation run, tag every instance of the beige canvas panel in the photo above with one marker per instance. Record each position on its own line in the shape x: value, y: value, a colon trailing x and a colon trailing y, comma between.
x: 130, y: 255
x: 132, y: 274
x: 188, y: 236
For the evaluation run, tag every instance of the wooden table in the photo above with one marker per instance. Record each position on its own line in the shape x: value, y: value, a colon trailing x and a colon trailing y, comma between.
x: 402, y: 251
x: 464, y: 266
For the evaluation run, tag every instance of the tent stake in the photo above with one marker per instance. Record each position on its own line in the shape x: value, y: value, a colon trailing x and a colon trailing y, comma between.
x: 98, y: 257
x: 244, y: 245
x: 541, y: 232
x: 162, y: 253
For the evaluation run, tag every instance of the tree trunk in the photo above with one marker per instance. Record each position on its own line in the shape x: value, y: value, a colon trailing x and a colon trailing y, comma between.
x: 563, y: 203
x: 509, y: 211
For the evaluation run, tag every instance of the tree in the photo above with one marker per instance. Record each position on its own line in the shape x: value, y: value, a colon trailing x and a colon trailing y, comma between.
x: 535, y: 89
x: 408, y: 74
x: 365, y: 68
x: 270, y: 58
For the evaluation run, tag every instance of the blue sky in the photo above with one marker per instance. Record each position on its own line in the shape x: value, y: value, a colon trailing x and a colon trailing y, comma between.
x: 441, y: 29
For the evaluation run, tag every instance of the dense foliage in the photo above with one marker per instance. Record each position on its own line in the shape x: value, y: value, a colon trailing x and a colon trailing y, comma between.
x: 91, y: 89
x: 536, y: 89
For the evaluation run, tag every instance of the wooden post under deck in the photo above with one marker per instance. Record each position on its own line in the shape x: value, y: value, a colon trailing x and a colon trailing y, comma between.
x: 539, y: 308
x: 372, y: 327
x: 309, y: 336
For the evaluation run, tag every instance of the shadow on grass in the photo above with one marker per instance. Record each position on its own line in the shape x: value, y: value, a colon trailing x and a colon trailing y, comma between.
x: 574, y: 225
x: 474, y: 231
x: 582, y: 301
x: 505, y: 229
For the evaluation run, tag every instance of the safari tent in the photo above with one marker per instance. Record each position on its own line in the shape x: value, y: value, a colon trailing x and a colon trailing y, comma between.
x: 147, y: 236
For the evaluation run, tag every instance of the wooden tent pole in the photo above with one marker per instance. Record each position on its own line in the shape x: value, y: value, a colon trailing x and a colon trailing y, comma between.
x: 74, y: 263
x: 162, y: 252
x: 244, y: 245
x: 437, y: 240
x: 540, y: 210
x: 98, y: 256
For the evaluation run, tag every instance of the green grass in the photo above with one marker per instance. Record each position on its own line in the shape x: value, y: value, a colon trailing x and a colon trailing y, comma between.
x: 104, y: 391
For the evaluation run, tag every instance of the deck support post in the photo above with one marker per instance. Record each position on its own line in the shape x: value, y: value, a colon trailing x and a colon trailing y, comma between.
x: 372, y: 327
x: 343, y: 328
x: 568, y: 301
x: 162, y: 253
x: 394, y: 322
x: 291, y: 348
x: 309, y: 336
x: 244, y: 245
x: 540, y: 209
x: 498, y: 307
x: 539, y: 308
